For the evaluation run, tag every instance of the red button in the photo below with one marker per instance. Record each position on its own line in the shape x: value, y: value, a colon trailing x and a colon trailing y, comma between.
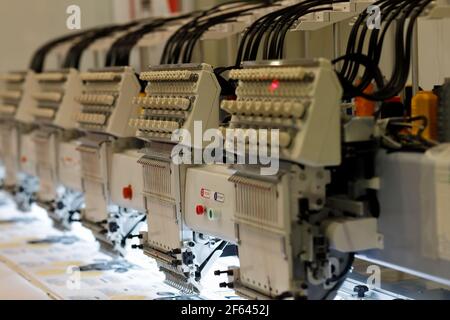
x: 200, y: 209
x: 127, y: 192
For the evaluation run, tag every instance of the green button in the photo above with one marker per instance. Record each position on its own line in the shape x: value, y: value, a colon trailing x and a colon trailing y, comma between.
x: 212, y: 214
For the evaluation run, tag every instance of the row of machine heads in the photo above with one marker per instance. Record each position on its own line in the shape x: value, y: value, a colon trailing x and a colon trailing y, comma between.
x: 102, y: 148
x: 90, y: 147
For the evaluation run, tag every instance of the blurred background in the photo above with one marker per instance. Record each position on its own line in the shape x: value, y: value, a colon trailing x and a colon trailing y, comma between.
x: 24, y: 25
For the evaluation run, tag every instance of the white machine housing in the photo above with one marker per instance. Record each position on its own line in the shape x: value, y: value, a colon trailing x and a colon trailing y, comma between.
x: 69, y: 165
x: 112, y: 194
x: 291, y: 97
x: 106, y: 99
x: 11, y: 94
x: 54, y: 112
x: 177, y: 96
x: 55, y: 98
x: 414, y: 218
x: 210, y: 201
x: 283, y: 247
x: 15, y: 149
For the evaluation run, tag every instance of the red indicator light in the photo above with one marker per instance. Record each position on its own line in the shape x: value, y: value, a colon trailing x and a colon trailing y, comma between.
x: 127, y: 192
x: 274, y: 85
x: 200, y: 210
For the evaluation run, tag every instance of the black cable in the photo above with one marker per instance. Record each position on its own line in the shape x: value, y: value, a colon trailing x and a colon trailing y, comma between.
x: 119, y: 53
x: 393, y: 11
x: 130, y: 232
x: 75, y: 53
x: 179, y: 48
x: 339, y: 279
x: 269, y: 31
x: 39, y: 57
x: 174, y: 41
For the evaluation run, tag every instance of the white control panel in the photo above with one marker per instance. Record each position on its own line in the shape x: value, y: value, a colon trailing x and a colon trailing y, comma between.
x: 301, y: 100
x: 127, y: 182
x: 210, y: 201
x: 106, y: 99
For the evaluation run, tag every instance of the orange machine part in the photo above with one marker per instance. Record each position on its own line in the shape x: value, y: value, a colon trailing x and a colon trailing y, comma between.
x: 364, y: 107
x: 425, y: 103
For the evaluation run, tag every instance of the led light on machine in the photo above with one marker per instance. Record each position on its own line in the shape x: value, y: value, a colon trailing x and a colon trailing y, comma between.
x: 268, y: 74
x: 300, y: 100
x: 287, y: 89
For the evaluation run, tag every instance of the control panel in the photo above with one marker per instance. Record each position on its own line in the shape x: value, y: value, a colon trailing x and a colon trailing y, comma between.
x: 209, y: 201
x: 126, y: 184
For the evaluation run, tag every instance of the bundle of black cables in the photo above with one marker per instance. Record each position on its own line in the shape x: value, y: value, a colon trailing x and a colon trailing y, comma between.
x: 270, y: 30
x: 180, y: 46
x: 82, y: 40
x: 120, y: 51
x: 399, y: 14
x: 75, y: 53
x: 38, y: 59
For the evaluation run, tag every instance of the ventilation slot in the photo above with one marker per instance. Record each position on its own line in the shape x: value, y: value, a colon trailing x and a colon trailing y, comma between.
x: 90, y: 163
x: 43, y: 150
x: 256, y: 203
x: 157, y: 178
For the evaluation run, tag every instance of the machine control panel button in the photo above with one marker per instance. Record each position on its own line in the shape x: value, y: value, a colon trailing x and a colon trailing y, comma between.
x: 213, y: 214
x: 127, y: 192
x: 200, y: 209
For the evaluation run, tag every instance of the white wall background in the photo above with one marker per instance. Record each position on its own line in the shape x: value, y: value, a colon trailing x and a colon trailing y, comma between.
x: 25, y: 25
x: 434, y: 52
